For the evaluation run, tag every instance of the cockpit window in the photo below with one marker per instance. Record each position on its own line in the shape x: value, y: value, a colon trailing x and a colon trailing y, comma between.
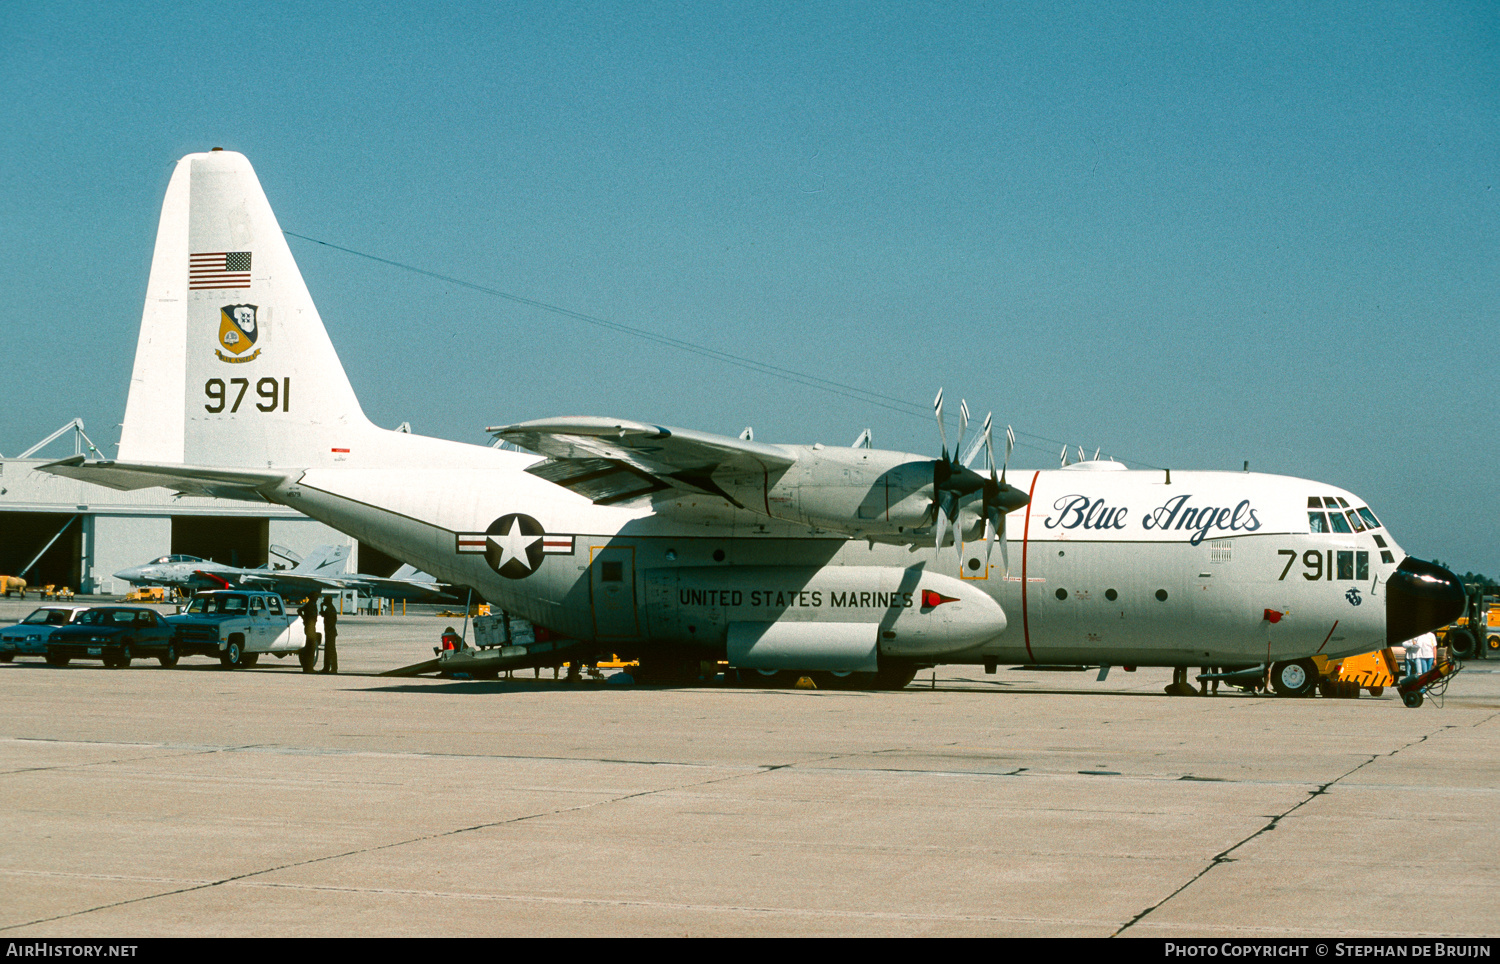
x: 1330, y: 501
x: 1355, y: 520
x: 1369, y: 518
x: 1313, y: 502
x: 1340, y: 524
x: 1317, y: 522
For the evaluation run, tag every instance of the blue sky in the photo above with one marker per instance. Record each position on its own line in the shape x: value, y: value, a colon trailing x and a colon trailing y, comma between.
x: 1190, y: 234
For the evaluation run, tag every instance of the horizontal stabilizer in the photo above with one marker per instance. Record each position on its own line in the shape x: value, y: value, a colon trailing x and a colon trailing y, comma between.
x: 202, y: 480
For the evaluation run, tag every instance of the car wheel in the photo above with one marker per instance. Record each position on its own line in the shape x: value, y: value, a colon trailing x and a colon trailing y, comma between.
x: 169, y: 658
x: 7, y: 657
x: 1294, y: 678
x: 232, y: 656
x: 57, y: 660
x: 250, y: 659
x: 1412, y: 699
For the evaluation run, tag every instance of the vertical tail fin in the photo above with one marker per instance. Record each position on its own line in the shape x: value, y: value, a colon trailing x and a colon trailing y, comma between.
x: 325, y: 561
x: 233, y: 366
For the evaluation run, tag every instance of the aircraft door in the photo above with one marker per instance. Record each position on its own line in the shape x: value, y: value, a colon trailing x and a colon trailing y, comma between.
x: 612, y: 586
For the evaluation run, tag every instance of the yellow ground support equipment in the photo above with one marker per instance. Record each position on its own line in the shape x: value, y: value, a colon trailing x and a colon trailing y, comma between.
x: 1347, y: 678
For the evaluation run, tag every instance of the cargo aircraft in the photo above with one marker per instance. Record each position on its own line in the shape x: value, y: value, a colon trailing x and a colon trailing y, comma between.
x: 675, y: 546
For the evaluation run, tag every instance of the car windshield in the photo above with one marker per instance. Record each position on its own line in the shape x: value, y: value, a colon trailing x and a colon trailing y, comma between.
x: 218, y: 604
x: 99, y: 617
x: 48, y: 617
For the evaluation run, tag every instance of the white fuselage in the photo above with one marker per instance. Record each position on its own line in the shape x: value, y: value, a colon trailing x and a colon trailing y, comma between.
x: 1111, y: 567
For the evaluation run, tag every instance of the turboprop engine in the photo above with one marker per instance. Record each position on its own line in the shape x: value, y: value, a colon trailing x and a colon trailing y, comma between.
x: 839, y: 617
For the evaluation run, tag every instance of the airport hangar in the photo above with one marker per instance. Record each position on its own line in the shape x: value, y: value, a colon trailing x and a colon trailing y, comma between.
x: 81, y: 534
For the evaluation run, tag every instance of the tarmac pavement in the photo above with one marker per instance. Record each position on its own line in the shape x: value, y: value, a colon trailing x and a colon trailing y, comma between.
x: 198, y: 801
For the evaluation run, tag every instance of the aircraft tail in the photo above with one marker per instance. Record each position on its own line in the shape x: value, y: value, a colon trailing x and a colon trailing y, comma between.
x: 324, y: 561
x: 233, y: 366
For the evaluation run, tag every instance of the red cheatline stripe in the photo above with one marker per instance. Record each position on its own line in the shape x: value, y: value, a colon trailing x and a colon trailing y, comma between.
x: 1026, y: 542
x: 341, y: 450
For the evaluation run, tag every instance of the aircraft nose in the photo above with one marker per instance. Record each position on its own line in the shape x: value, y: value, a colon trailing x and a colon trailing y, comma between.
x: 129, y: 575
x: 1420, y: 597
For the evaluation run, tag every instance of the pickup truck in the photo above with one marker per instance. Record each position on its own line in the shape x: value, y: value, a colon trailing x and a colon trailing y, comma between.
x: 239, y: 625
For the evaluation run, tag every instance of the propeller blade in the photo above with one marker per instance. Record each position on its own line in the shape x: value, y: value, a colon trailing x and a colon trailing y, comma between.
x: 937, y: 409
x: 983, y: 441
x: 963, y: 424
x: 1004, y: 549
x: 942, y: 525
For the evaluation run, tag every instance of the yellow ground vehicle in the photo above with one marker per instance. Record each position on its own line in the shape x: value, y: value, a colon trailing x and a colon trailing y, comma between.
x: 1469, y: 645
x: 1346, y: 678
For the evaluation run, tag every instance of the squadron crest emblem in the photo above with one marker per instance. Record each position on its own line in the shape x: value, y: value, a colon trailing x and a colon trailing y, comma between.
x: 238, y: 332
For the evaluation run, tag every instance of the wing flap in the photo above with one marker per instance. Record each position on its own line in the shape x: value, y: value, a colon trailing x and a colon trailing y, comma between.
x: 656, y: 450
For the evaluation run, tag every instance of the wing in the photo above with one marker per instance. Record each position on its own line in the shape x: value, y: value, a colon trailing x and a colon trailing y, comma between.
x: 613, y: 460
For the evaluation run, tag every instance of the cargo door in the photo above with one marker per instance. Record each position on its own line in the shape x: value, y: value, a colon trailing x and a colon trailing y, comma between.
x: 612, y: 586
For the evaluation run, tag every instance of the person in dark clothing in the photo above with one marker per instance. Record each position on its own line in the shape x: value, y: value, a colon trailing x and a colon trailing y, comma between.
x: 309, y: 614
x: 330, y: 634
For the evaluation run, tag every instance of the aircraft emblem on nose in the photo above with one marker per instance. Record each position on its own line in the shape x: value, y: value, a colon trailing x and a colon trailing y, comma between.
x: 1353, y: 596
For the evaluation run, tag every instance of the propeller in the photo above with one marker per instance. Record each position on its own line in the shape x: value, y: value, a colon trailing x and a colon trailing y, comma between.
x: 953, y: 480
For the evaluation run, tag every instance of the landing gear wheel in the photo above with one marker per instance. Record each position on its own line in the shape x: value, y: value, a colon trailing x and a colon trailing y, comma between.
x: 170, y: 657
x: 232, y: 656
x: 1413, y: 699
x: 895, y: 676
x: 1294, y: 678
x: 763, y: 678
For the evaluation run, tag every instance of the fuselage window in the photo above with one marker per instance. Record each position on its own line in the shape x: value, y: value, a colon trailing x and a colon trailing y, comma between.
x: 1346, y: 565
x: 1361, y: 565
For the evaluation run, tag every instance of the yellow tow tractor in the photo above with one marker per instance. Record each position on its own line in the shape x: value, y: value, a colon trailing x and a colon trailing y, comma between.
x: 1349, y: 677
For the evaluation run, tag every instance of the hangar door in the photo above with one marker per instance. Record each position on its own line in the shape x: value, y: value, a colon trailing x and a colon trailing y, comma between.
x: 24, y: 534
x: 231, y: 540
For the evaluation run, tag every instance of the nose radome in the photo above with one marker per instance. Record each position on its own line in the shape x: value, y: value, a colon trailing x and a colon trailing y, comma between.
x: 1420, y: 597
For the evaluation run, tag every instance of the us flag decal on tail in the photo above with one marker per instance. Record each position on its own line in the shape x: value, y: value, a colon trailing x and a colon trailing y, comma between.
x: 219, y: 269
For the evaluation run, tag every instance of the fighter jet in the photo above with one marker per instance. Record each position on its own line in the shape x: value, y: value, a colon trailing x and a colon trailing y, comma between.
x: 324, y: 569
x: 674, y: 546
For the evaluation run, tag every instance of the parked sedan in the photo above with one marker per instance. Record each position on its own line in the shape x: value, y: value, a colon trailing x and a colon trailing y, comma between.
x: 29, y: 636
x: 114, y: 634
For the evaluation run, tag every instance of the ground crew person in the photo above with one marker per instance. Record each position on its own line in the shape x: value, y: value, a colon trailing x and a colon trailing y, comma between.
x: 330, y: 634
x: 309, y: 614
